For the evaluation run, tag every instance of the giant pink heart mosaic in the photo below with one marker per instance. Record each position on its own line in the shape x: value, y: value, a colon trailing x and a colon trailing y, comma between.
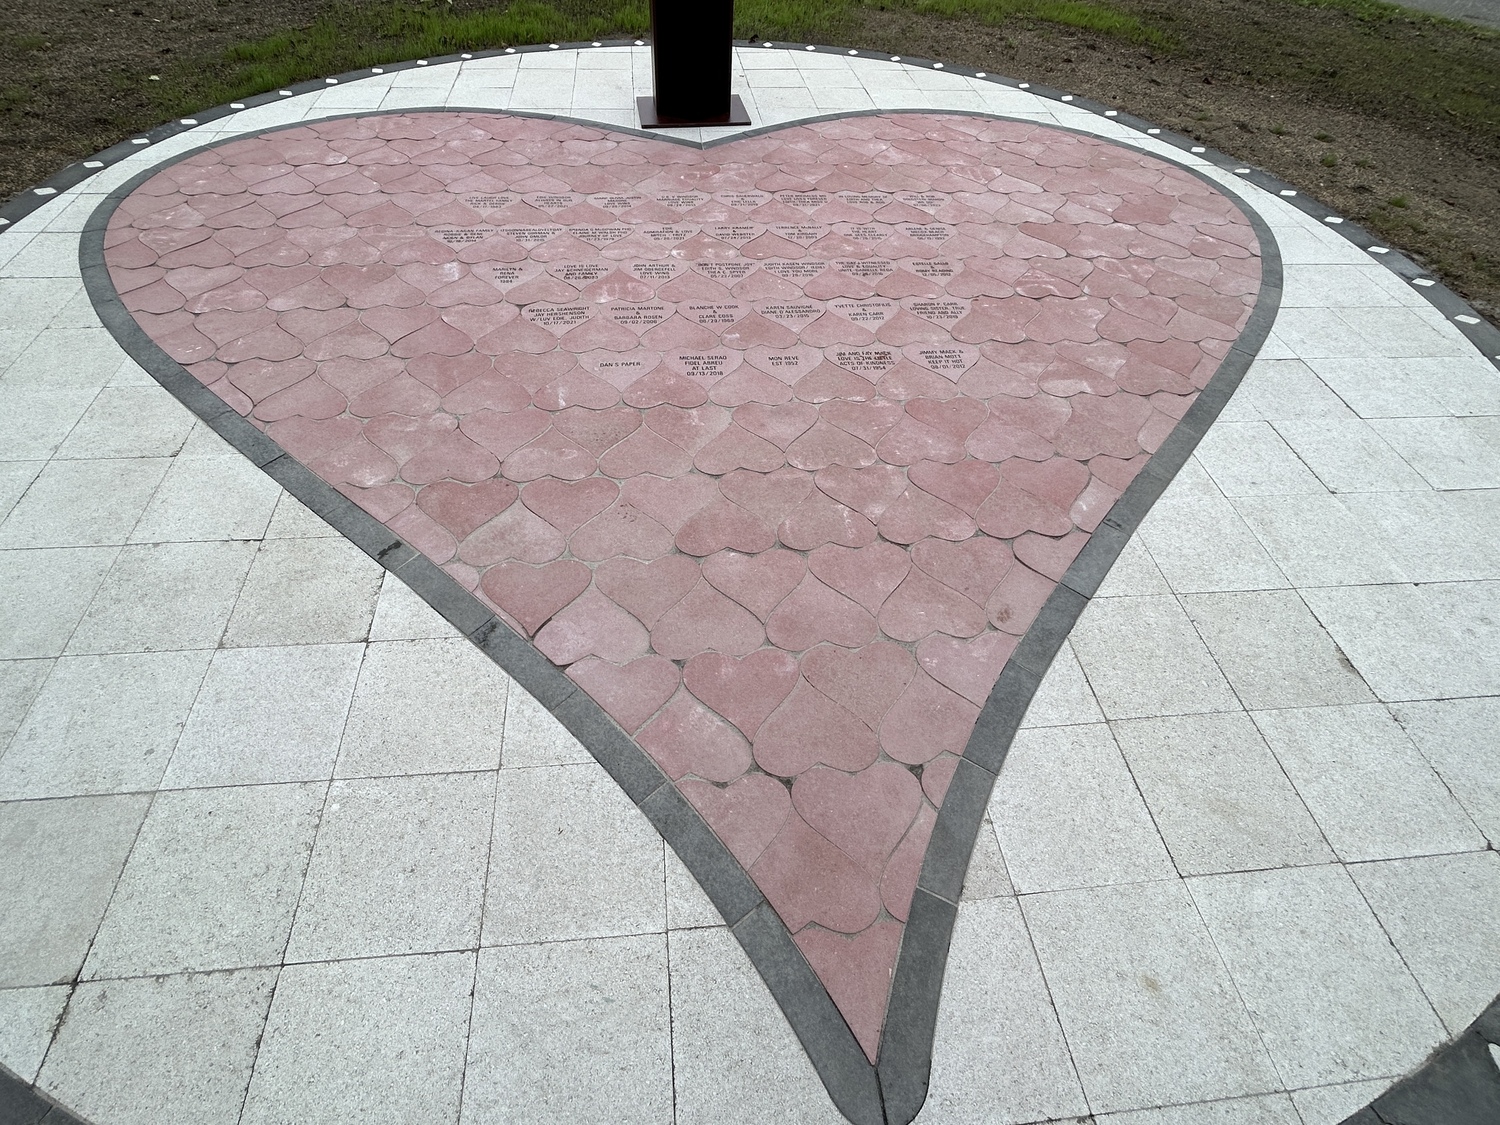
x: 776, y: 447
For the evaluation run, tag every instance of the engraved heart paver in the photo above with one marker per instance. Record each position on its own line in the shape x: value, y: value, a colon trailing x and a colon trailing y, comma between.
x: 777, y: 447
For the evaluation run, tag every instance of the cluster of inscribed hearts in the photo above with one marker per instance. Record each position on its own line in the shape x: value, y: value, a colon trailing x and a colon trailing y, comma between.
x: 777, y: 447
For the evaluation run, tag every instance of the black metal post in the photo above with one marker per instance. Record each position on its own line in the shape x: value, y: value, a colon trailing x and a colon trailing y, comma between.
x: 691, y: 50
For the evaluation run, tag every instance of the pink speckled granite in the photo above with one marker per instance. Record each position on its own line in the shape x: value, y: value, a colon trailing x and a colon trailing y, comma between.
x: 778, y: 447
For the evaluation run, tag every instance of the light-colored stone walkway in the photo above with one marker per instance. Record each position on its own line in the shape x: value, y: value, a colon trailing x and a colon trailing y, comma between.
x: 310, y: 856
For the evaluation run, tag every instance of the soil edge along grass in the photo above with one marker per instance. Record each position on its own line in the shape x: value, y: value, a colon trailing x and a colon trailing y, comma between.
x: 1390, y: 116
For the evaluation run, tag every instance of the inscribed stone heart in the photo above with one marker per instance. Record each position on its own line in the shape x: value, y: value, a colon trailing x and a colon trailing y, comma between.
x: 777, y: 447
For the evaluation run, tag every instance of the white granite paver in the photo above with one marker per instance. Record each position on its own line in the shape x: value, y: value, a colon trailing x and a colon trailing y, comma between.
x: 1208, y: 958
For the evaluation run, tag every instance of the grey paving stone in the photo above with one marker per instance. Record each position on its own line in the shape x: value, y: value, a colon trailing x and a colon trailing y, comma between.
x: 15, y: 479
x: 1318, y: 541
x: 295, y: 520
x: 1149, y: 1010
x: 1325, y: 287
x: 1443, y: 914
x: 13, y: 341
x: 986, y: 876
x: 572, y: 858
x: 1067, y: 813
x: 1268, y: 1109
x: 398, y: 867
x: 365, y: 1043
x: 1330, y: 1105
x: 1274, y: 389
x: 83, y: 503
x: 430, y: 706
x: 1218, y: 795
x: 45, y: 255
x: 1390, y: 388
x: 728, y: 1035
x: 1330, y: 996
x: 20, y: 680
x: 1402, y: 333
x: 306, y: 591
x: 102, y: 724
x: 31, y: 304
x: 209, y: 498
x: 1349, y: 455
x: 1064, y: 697
x: 1273, y: 650
x: 1201, y: 543
x: 132, y: 1051
x: 164, y: 596
x: 1448, y: 452
x: 57, y: 358
x: 37, y: 419
x: 571, y: 1031
x: 534, y: 737
x: 129, y: 422
x: 267, y: 715
x: 1134, y: 573
x: 400, y: 615
x: 1251, y: 459
x: 1143, y: 657
x: 28, y: 1017
x: 211, y: 883
x: 998, y: 1055
x: 1433, y: 641
x: 1457, y: 737
x: 58, y: 864
x: 1371, y: 792
x: 687, y: 906
x: 1436, y: 536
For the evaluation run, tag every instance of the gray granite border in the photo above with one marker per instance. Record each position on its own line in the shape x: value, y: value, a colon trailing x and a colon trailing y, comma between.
x: 892, y: 1092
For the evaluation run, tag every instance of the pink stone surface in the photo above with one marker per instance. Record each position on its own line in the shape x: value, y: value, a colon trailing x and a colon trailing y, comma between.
x: 780, y: 481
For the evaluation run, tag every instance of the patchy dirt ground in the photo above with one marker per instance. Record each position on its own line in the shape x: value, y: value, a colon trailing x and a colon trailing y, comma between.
x: 1338, y: 105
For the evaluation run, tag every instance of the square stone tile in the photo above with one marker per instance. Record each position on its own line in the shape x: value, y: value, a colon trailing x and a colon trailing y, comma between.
x: 1330, y: 1105
x: 293, y: 519
x: 83, y: 503
x: 1276, y: 389
x: 571, y: 1031
x: 1383, y: 388
x: 209, y: 498
x: 134, y: 1051
x: 1150, y: 1013
x: 15, y: 479
x: 1273, y: 650
x: 1133, y: 574
x: 102, y: 724
x: 1068, y: 814
x: 1457, y: 737
x: 32, y: 303
x: 398, y: 867
x: 1199, y: 542
x: 1448, y: 452
x: 1064, y: 697
x: 1143, y: 657
x: 37, y: 419
x: 1349, y: 455
x: 20, y: 680
x: 306, y: 591
x: 1443, y: 914
x: 1268, y: 1109
x: 1371, y: 792
x: 1323, y: 287
x: 164, y: 596
x: 267, y: 715
x: 534, y: 737
x: 1435, y: 536
x: 1330, y: 996
x: 424, y: 707
x: 28, y: 1017
x: 1318, y: 541
x: 1251, y: 459
x: 81, y: 358
x: 129, y: 422
x: 687, y: 906
x: 1218, y: 795
x: 1401, y: 333
x: 46, y: 594
x: 400, y: 615
x: 1416, y: 642
x: 58, y: 864
x: 572, y: 858
x: 728, y: 1035
x: 998, y: 1055
x: 987, y: 876
x: 211, y: 883
x: 365, y: 1043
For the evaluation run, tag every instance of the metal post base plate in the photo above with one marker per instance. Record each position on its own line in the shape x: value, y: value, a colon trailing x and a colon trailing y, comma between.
x: 646, y: 107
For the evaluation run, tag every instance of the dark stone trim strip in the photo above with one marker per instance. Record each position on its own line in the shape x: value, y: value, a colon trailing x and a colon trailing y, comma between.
x: 893, y: 1092
x: 21, y: 1103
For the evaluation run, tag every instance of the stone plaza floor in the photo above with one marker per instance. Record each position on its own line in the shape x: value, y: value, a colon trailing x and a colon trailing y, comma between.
x: 780, y: 450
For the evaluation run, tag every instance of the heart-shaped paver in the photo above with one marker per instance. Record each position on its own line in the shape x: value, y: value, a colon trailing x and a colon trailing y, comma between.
x: 777, y: 447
